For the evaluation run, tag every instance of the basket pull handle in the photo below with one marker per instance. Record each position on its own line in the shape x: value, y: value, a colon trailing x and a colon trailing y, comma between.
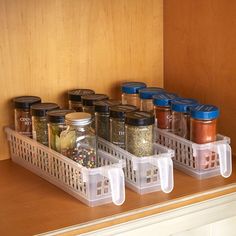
x: 225, y: 159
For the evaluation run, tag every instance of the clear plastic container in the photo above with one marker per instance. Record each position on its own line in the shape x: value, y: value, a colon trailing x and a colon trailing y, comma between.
x: 139, y: 133
x: 162, y: 109
x: 78, y: 141
x: 130, y: 93
x: 74, y: 98
x: 22, y: 114
x: 39, y: 121
x: 146, y: 94
x: 102, y: 117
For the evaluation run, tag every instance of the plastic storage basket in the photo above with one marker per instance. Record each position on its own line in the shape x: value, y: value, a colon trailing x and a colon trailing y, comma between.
x: 93, y: 187
x: 199, y: 160
x: 145, y: 174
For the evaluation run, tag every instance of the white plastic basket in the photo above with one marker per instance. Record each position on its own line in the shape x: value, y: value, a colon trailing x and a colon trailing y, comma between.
x: 199, y: 160
x: 145, y: 174
x: 93, y: 187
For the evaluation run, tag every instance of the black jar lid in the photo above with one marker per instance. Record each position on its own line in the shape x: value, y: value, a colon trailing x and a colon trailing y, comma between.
x: 119, y: 111
x: 139, y: 118
x: 76, y: 94
x: 104, y: 105
x: 58, y: 116
x: 25, y: 102
x: 88, y: 100
x: 40, y: 109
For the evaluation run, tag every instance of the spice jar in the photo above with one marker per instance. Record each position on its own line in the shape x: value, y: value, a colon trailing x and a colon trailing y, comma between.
x: 130, y: 93
x: 203, y: 123
x: 146, y: 94
x: 39, y: 121
x: 56, y: 124
x: 163, y: 109
x: 139, y: 133
x: 74, y: 98
x: 22, y: 115
x: 117, y: 123
x: 78, y: 141
x: 102, y: 117
x: 181, y: 116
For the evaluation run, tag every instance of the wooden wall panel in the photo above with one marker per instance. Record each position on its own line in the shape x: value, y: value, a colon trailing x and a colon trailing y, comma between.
x: 50, y: 46
x: 200, y: 55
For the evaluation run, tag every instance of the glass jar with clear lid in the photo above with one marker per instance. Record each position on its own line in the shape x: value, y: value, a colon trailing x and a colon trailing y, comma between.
x: 56, y: 124
x: 139, y: 133
x: 117, y: 123
x: 181, y: 116
x: 22, y: 114
x: 39, y: 121
x: 74, y: 98
x: 130, y: 93
x: 78, y: 141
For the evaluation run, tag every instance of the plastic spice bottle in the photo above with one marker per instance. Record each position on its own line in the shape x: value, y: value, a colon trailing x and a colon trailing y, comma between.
x: 139, y: 133
x: 146, y: 94
x: 162, y: 109
x: 39, y: 121
x: 117, y: 123
x: 74, y: 98
x: 22, y: 115
x: 130, y: 93
x: 78, y: 141
x: 56, y: 124
x: 181, y: 116
x: 102, y: 117
x: 203, y: 123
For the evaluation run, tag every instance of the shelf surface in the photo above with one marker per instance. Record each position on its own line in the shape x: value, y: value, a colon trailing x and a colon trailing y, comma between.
x: 30, y: 205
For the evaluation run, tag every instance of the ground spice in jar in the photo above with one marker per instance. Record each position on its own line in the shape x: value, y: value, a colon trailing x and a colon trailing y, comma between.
x: 39, y: 121
x: 22, y: 115
x: 74, y: 98
x: 117, y: 123
x: 139, y: 133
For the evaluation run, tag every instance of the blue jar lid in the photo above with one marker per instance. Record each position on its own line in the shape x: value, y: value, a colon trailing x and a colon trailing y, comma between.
x: 164, y: 99
x: 132, y: 87
x: 204, y: 112
x: 147, y: 93
x: 182, y: 104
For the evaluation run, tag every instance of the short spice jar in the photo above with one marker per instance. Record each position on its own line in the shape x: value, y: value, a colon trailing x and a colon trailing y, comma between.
x: 117, y: 123
x: 78, y: 141
x: 22, y: 114
x: 39, y: 121
x: 74, y: 98
x: 139, y: 133
x: 181, y: 116
x: 56, y: 124
x: 162, y: 109
x: 102, y: 117
x: 130, y: 93
x: 146, y: 94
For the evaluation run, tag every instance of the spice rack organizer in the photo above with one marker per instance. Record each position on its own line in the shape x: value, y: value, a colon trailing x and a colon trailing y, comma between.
x: 93, y: 187
x: 145, y: 174
x: 199, y: 160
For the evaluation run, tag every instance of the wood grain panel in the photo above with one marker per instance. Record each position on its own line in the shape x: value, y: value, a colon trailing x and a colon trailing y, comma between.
x: 50, y: 46
x: 200, y: 55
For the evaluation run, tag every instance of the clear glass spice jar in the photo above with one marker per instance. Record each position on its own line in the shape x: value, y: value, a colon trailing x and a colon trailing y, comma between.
x: 56, y: 124
x: 162, y: 109
x: 181, y: 116
x: 130, y: 93
x: 102, y: 117
x: 39, y: 121
x: 139, y: 133
x: 146, y: 94
x: 74, y: 98
x: 78, y: 141
x: 117, y: 123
